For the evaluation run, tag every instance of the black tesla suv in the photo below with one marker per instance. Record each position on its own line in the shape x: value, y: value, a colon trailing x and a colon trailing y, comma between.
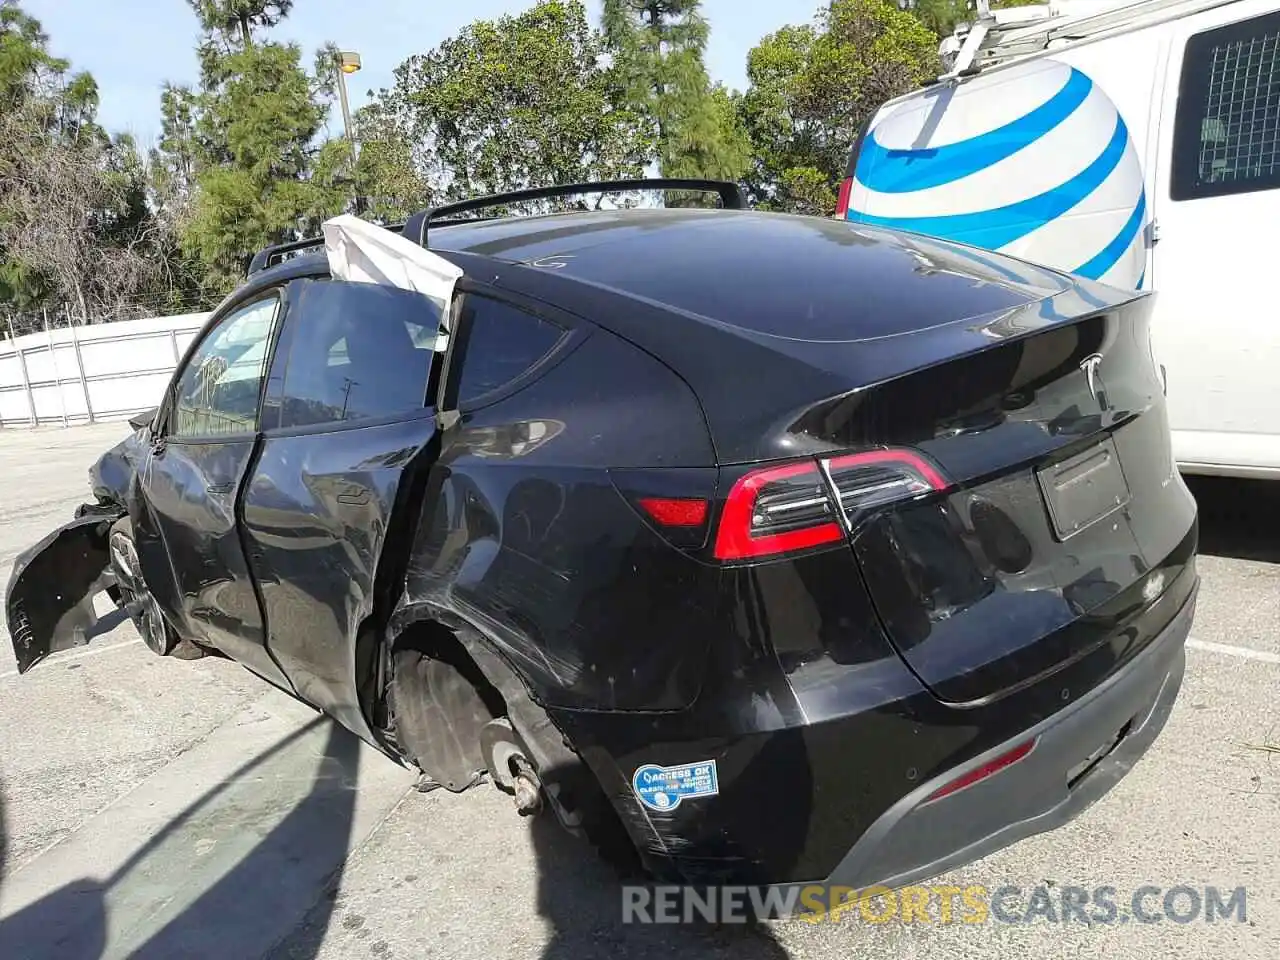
x: 776, y: 549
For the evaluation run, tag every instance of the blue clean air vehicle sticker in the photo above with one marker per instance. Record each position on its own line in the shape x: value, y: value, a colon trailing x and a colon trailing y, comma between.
x: 663, y: 788
x: 1033, y: 160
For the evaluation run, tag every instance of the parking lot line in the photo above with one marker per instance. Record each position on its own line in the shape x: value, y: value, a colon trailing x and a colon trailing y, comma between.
x: 1227, y: 649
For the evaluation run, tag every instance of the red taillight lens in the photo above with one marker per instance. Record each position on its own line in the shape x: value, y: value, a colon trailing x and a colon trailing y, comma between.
x: 866, y: 480
x: 987, y: 769
x: 776, y: 510
x: 842, y: 201
x: 675, y: 512
x: 792, y: 507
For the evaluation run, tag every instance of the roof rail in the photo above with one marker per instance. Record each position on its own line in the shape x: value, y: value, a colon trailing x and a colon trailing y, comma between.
x: 270, y: 256
x: 415, y: 228
x: 731, y: 196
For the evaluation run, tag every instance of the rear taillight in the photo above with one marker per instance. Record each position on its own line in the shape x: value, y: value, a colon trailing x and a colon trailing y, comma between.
x: 842, y: 201
x: 798, y: 506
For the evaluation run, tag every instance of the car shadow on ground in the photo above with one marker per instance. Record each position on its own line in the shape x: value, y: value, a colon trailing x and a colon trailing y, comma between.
x: 581, y: 898
x: 1238, y: 518
x: 289, y: 875
x: 233, y: 910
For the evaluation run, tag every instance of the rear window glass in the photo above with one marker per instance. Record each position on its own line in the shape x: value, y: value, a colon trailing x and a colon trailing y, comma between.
x: 807, y: 278
x: 501, y: 343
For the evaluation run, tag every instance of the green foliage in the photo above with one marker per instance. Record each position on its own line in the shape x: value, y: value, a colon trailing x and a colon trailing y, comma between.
x: 389, y: 174
x: 262, y: 118
x: 942, y: 16
x: 812, y: 88
x: 237, y: 19
x: 657, y: 48
x: 25, y: 62
x: 236, y: 166
x: 76, y: 231
x: 517, y: 102
x: 525, y: 100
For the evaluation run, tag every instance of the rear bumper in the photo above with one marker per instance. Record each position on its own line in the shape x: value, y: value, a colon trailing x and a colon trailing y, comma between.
x: 916, y: 839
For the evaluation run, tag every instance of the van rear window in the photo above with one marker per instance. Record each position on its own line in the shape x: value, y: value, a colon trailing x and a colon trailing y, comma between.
x: 1227, y: 130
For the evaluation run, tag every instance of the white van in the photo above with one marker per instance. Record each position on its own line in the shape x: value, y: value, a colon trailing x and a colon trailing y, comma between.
x: 1137, y: 143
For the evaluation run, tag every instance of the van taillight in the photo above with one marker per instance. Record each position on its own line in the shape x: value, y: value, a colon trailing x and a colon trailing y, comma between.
x: 842, y: 201
x: 797, y: 506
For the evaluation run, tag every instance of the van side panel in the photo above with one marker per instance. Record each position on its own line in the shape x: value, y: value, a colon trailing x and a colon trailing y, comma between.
x: 1219, y: 199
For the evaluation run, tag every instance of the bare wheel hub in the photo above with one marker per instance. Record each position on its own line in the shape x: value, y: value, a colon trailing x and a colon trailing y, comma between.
x: 511, y: 770
x: 528, y: 791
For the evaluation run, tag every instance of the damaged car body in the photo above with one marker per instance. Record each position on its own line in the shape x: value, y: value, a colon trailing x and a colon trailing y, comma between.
x: 775, y: 550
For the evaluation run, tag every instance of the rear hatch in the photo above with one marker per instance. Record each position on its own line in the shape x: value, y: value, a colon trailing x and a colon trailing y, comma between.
x: 1063, y: 517
x: 1030, y: 396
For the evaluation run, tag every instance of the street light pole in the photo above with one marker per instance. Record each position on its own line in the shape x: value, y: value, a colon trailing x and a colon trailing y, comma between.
x: 349, y: 62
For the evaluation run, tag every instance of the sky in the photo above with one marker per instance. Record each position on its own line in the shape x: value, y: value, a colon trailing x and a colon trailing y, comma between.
x: 132, y: 47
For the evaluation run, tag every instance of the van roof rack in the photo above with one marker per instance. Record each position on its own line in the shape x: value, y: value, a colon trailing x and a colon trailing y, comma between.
x: 415, y: 228
x: 997, y: 36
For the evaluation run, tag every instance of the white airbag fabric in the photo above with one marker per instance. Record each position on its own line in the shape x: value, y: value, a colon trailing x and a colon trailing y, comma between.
x: 363, y: 252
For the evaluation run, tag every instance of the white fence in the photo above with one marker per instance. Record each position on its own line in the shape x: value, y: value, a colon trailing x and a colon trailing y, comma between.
x: 106, y: 371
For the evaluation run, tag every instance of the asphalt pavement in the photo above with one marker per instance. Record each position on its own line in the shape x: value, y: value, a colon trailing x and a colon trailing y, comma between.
x: 161, y: 808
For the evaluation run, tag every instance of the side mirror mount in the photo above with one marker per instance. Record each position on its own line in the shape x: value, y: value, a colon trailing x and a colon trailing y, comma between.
x: 144, y: 419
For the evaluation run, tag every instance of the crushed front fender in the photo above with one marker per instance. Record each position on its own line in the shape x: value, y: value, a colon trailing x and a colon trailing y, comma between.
x: 49, y: 601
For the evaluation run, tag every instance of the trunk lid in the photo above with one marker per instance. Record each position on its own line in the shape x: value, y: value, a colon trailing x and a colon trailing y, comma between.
x: 1066, y: 517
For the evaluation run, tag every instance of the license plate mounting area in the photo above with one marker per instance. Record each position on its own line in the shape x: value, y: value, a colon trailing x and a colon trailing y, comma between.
x: 1083, y: 489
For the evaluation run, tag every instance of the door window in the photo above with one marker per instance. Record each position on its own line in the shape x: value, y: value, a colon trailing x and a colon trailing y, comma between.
x: 218, y: 392
x: 360, y: 351
x: 501, y: 342
x: 1227, y: 130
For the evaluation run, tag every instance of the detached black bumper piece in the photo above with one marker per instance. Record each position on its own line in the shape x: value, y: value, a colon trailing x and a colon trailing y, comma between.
x: 49, y: 600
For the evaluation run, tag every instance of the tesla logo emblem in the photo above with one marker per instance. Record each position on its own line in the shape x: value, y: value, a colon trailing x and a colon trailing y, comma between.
x: 1090, y: 367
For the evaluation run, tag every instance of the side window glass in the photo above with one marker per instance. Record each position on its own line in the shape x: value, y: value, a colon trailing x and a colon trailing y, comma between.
x: 218, y: 392
x: 501, y: 343
x: 360, y: 351
x: 1227, y: 130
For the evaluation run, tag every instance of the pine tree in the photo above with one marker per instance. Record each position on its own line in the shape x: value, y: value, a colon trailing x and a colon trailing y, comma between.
x: 657, y: 48
x: 237, y: 156
x: 238, y: 18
